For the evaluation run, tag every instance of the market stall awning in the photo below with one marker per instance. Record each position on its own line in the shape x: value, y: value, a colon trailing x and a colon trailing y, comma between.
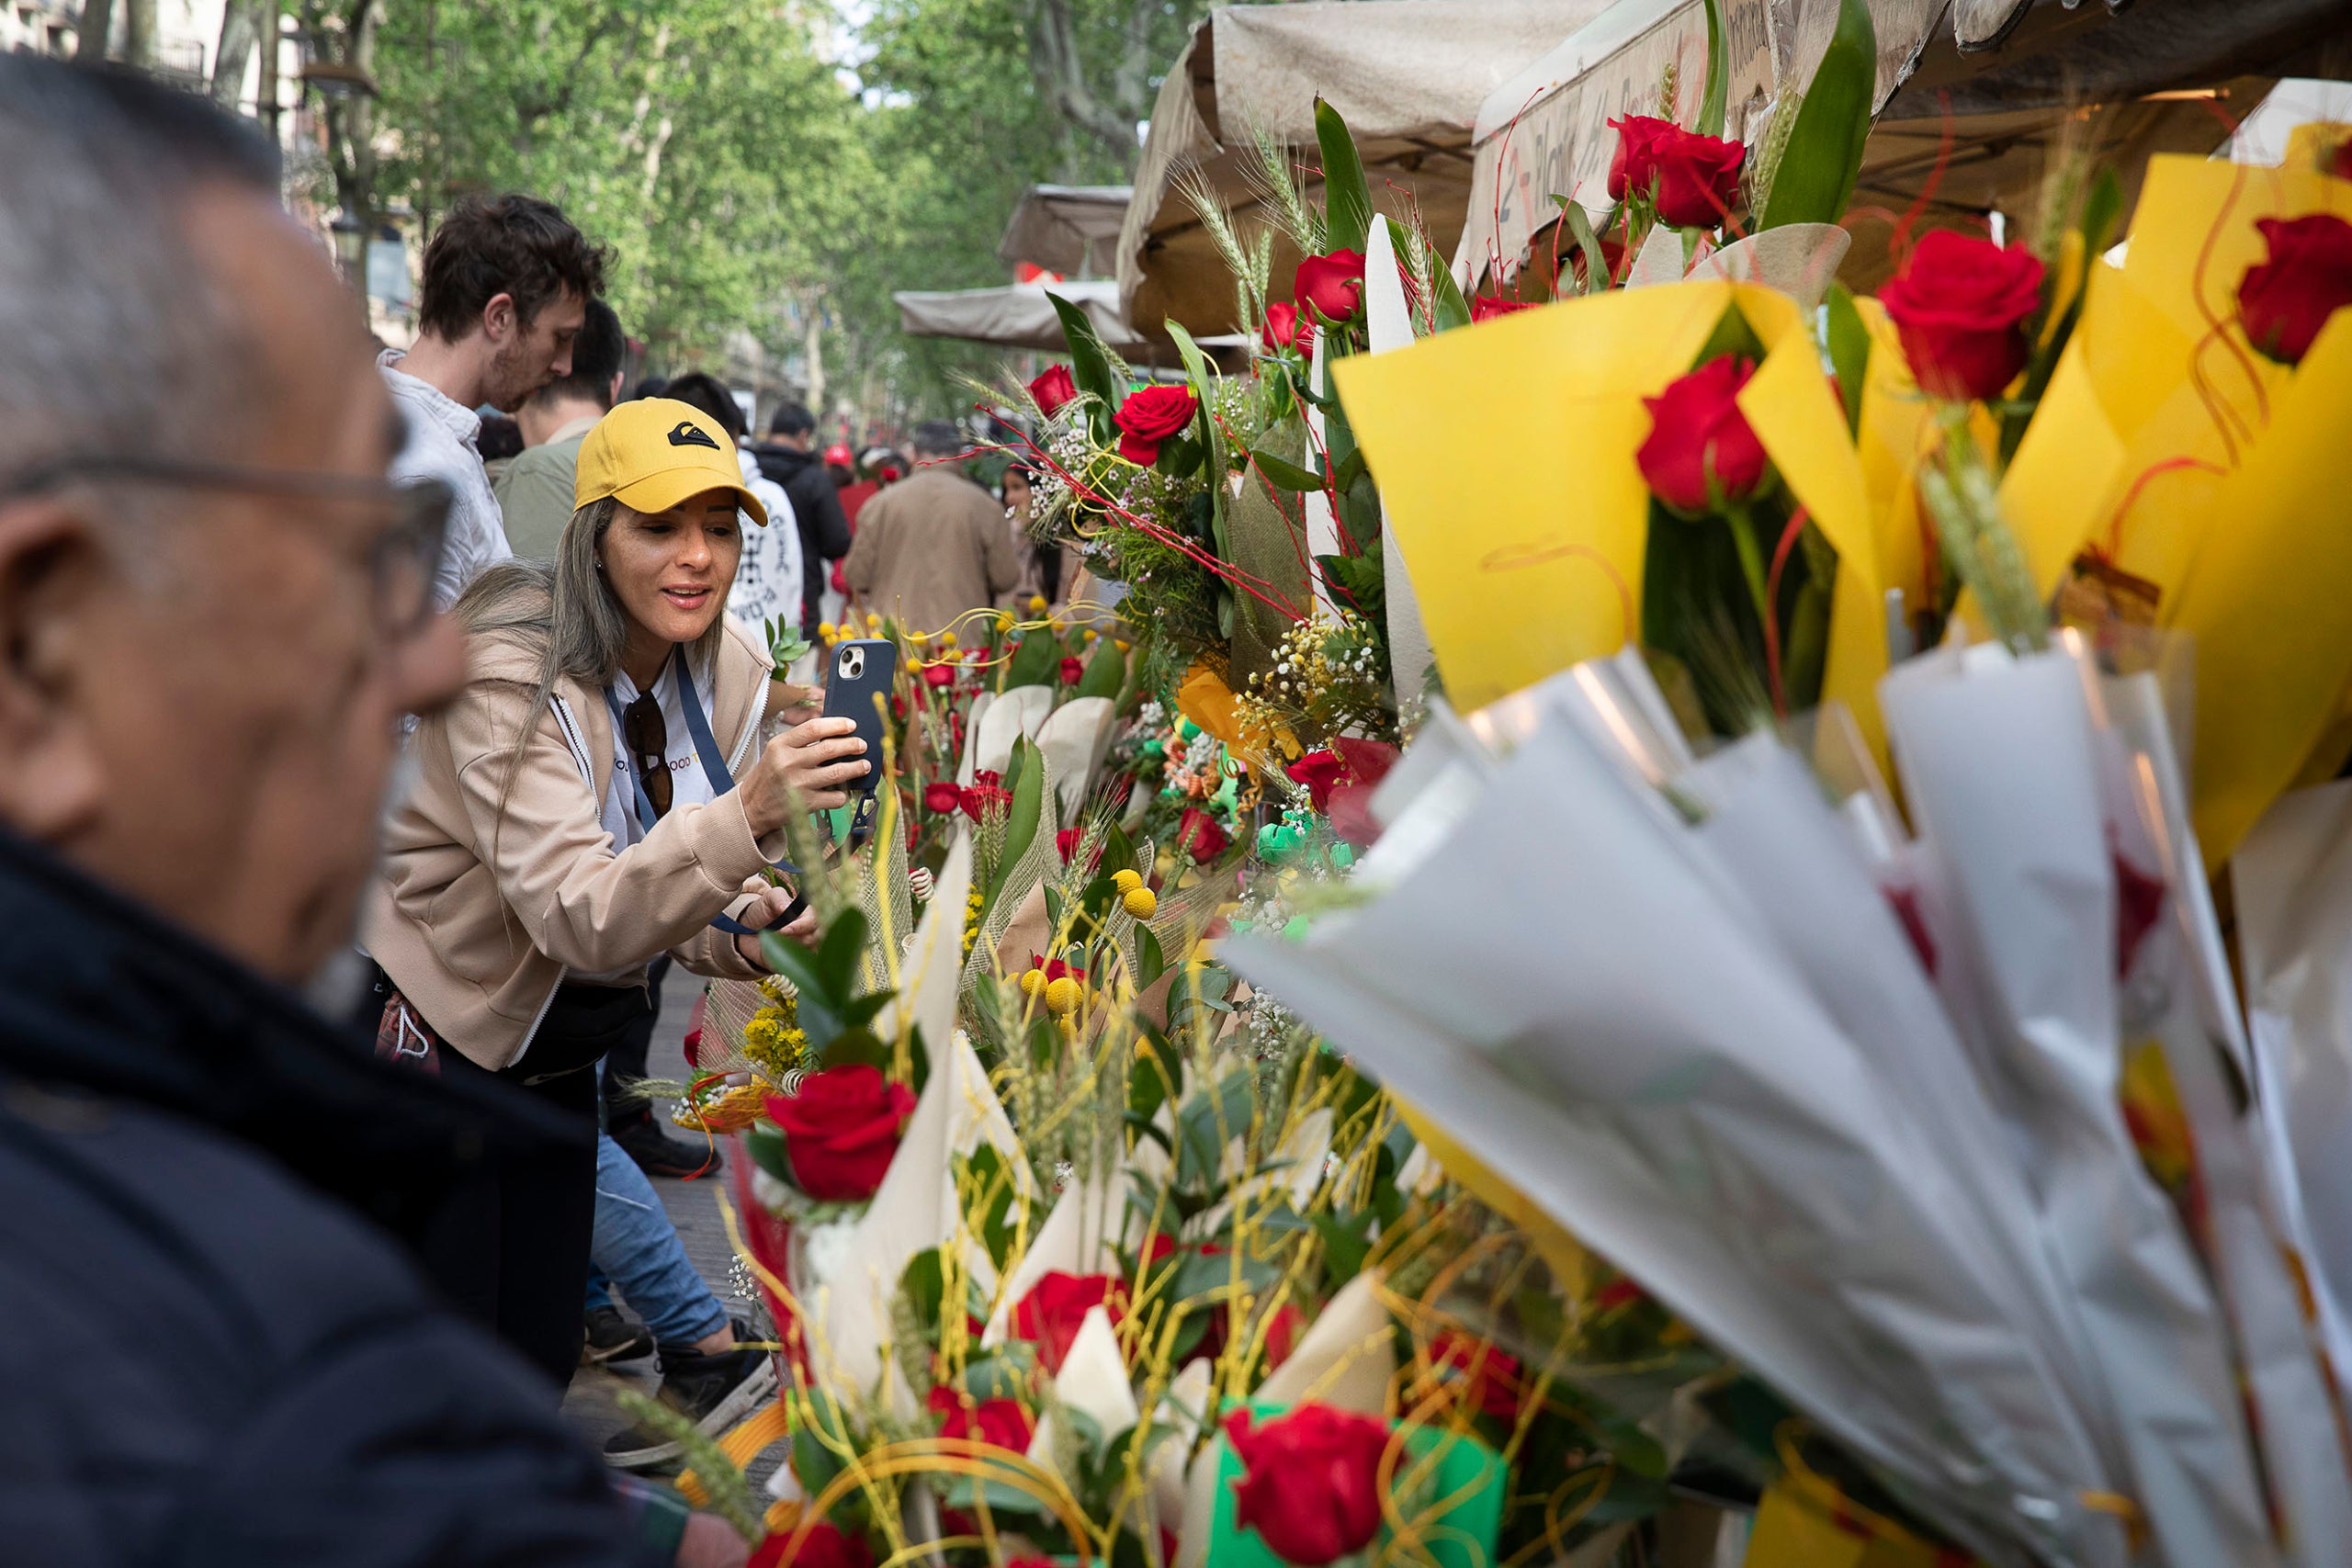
x: 1019, y: 315
x: 1971, y: 95
x: 1408, y: 76
x: 1065, y: 229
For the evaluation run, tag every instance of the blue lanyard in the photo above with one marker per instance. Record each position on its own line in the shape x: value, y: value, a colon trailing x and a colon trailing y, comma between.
x: 714, y: 764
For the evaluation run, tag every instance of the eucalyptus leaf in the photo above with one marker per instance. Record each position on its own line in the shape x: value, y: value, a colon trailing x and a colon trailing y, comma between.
x: 1285, y: 474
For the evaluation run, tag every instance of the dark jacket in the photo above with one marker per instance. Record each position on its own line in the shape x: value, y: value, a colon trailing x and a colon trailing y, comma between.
x: 215, y: 1348
x: 817, y: 503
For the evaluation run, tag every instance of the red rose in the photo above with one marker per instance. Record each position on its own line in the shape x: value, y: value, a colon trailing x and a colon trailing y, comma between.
x: 1149, y: 416
x: 1331, y: 285
x: 1960, y: 305
x: 1056, y: 1307
x: 825, y: 1546
x: 987, y: 791
x: 939, y: 674
x: 1283, y: 1331
x: 1311, y: 1487
x: 1484, y: 309
x: 1287, y: 326
x: 1319, y: 771
x: 1198, y: 835
x: 2284, y: 301
x: 1494, y: 1384
x: 1699, y: 451
x: 1693, y: 178
x: 840, y: 1130
x: 1053, y: 389
x: 1073, y: 669
x: 940, y: 797
x: 1000, y: 1423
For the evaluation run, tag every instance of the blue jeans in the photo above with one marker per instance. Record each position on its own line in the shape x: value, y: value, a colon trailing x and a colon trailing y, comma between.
x: 637, y: 1247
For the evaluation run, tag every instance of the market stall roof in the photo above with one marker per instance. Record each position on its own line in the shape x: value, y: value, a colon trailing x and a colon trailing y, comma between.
x: 1019, y: 315
x: 1408, y: 75
x: 2001, y: 80
x: 1065, y: 229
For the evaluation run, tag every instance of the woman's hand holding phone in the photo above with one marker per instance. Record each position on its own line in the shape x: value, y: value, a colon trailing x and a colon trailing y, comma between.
x: 805, y: 768
x: 772, y: 905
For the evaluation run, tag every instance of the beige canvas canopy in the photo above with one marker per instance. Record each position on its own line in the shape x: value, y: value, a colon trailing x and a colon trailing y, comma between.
x: 1070, y: 230
x: 1019, y: 315
x: 1971, y: 94
x: 1408, y: 76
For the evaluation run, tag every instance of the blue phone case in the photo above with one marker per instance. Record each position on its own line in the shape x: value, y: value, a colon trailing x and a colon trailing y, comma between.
x: 858, y: 682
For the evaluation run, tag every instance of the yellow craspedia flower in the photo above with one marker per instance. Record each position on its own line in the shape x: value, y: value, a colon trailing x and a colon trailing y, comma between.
x: 1031, y: 982
x: 1091, y: 635
x: 1062, y: 995
x: 1036, y: 603
x: 1119, y: 643
x: 1126, y: 881
x: 873, y: 622
x: 946, y: 639
x: 1140, y: 902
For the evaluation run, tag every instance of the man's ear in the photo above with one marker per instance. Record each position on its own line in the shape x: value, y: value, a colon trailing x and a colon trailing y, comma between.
x: 613, y: 392
x: 53, y: 575
x: 500, y: 319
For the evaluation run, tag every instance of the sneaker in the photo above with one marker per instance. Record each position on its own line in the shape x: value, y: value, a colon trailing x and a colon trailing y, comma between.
x: 713, y: 1391
x: 613, y: 1337
x: 658, y: 1154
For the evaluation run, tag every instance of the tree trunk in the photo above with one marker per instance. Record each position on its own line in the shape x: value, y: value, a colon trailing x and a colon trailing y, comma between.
x: 139, y: 33
x: 240, y: 30
x: 351, y: 122
x: 91, y: 34
x: 1059, y: 71
x: 812, y: 348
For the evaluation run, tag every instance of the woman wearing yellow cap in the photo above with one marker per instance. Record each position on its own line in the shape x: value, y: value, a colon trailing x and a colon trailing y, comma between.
x: 595, y: 798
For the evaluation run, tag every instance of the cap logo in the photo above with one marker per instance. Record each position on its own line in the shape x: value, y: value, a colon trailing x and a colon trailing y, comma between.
x: 688, y: 434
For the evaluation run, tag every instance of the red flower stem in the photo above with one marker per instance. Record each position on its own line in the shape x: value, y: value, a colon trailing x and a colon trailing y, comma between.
x: 2124, y: 507
x: 1772, y: 593
x: 1898, y: 244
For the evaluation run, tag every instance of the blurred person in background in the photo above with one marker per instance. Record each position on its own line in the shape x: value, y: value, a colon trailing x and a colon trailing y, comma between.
x: 595, y: 796
x: 534, y: 493
x: 506, y: 285
x: 500, y: 442
x: 213, y: 606
x: 788, y: 457
x: 934, y: 545
x: 1041, y: 563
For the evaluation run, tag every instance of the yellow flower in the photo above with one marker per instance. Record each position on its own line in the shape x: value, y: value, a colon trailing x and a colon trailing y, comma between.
x: 1090, y: 634
x: 1031, y: 982
x: 1036, y: 603
x: 1062, y: 995
x: 1140, y: 902
x: 825, y: 630
x: 1126, y: 881
x: 873, y: 622
x: 946, y: 639
x: 1119, y: 643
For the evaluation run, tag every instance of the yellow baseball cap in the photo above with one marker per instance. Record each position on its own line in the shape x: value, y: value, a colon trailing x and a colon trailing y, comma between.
x: 652, y: 453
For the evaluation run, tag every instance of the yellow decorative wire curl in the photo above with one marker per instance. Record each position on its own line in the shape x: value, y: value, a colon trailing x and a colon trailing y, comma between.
x: 1002, y: 620
x: 948, y: 1456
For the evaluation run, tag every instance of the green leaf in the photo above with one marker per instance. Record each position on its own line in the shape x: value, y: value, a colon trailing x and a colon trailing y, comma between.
x: 1037, y: 661
x: 923, y: 1283
x: 1105, y: 673
x: 2102, y: 209
x: 965, y: 1492
x: 800, y: 965
x: 1362, y: 580
x: 855, y: 1047
x: 1284, y: 473
x: 1346, y: 1244
x: 1022, y: 818
x: 1209, y: 1118
x: 1347, y: 199
x: 837, y: 956
x: 764, y: 1142
x: 1580, y: 224
x: 1090, y: 365
x: 1711, y: 98
x: 1849, y: 352
x: 987, y: 1170
x: 1205, y: 384
x: 1151, y: 961
x: 1816, y: 177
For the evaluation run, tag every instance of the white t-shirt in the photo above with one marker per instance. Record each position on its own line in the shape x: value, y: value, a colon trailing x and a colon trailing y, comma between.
x: 689, y: 784
x: 767, y: 578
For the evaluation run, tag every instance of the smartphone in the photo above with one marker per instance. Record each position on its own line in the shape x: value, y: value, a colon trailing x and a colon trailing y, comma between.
x: 857, y: 687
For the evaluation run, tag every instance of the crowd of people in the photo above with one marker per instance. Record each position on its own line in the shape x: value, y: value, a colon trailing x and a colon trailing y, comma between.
x: 296, y: 658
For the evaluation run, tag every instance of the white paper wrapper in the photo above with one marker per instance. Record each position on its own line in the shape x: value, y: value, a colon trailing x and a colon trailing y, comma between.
x: 1015, y: 714
x: 1074, y: 739
x: 1998, y: 765
x: 2293, y: 881
x: 1566, y: 991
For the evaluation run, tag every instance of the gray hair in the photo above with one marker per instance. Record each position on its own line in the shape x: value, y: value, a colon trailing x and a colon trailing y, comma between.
x: 111, y: 341
x: 564, y: 612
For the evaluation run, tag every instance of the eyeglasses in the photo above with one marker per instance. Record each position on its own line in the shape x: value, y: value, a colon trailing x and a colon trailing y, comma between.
x: 402, y: 560
x: 647, y: 735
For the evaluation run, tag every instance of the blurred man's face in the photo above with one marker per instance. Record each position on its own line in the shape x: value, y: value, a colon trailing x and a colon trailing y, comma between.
x: 211, y: 727
x: 532, y: 354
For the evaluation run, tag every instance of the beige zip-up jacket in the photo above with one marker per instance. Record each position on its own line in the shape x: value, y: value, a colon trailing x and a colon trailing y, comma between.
x: 478, y: 917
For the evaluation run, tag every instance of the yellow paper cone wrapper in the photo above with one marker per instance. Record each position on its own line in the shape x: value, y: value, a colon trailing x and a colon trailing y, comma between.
x: 1207, y: 701
x: 1805, y: 1522
x: 1505, y: 455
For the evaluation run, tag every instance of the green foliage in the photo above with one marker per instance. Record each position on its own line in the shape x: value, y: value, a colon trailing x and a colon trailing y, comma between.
x: 1106, y: 672
x: 1347, y: 197
x: 1814, y: 177
x: 1849, y: 352
x: 1711, y: 97
x: 1089, y: 366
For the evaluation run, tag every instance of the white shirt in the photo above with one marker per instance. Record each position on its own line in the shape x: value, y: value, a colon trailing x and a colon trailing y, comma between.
x: 768, y: 581
x: 444, y: 443
x: 688, y: 783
